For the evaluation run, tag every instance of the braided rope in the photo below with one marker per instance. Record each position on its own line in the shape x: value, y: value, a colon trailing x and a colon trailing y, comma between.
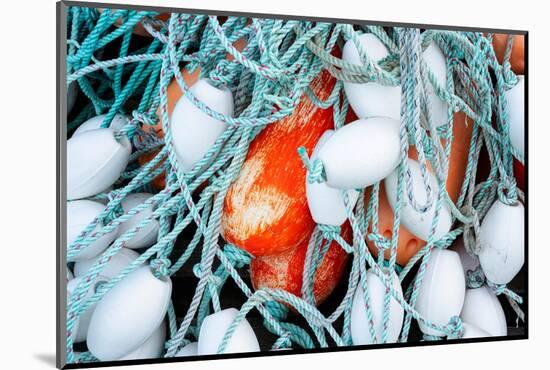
x: 268, y: 78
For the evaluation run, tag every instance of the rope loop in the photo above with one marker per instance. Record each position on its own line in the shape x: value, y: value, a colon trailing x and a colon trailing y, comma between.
x: 161, y: 267
x: 475, y: 278
x: 507, y: 191
x: 315, y: 169
x: 455, y: 327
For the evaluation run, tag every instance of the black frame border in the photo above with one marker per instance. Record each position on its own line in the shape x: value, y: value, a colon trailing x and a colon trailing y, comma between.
x: 61, y: 198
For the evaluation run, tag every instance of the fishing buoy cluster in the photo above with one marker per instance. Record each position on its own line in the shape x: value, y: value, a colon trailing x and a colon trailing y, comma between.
x: 217, y: 151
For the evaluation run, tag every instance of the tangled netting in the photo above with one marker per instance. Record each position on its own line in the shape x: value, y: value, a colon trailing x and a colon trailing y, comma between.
x: 268, y: 78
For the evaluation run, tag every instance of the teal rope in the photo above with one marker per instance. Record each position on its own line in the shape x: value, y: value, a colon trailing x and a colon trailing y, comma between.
x: 268, y: 78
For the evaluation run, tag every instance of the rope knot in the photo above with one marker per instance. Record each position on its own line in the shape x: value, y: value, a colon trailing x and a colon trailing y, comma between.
x: 455, y: 328
x: 278, y: 310
x: 238, y: 257
x: 507, y: 191
x: 380, y: 241
x: 212, y: 279
x: 315, y: 168
x: 330, y: 232
x: 161, y: 267
x: 148, y: 118
x: 475, y: 278
x: 283, y: 342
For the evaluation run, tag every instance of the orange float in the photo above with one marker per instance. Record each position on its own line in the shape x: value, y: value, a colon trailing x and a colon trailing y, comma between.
x: 408, y: 244
x: 517, y: 58
x: 285, y: 270
x: 265, y: 210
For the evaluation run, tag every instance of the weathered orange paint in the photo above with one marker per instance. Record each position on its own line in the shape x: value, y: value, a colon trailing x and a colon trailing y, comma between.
x: 517, y: 58
x: 285, y: 270
x: 408, y: 244
x: 265, y: 210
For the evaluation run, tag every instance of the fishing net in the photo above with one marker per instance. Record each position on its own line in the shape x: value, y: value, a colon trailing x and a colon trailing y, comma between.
x: 124, y: 62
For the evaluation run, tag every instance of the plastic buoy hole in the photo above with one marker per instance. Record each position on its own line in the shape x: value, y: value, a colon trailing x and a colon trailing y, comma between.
x: 412, y: 244
x: 387, y: 234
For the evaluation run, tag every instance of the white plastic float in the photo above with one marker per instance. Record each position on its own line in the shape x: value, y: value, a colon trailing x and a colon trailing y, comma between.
x: 472, y: 331
x: 94, y: 123
x: 116, y: 264
x: 416, y: 222
x: 189, y: 350
x: 361, y: 153
x: 483, y: 309
x: 146, y: 236
x: 85, y: 317
x: 95, y: 160
x: 441, y: 293
x: 193, y: 131
x: 214, y: 327
x: 515, y: 99
x: 152, y: 348
x: 502, y: 242
x: 80, y: 213
x: 435, y: 61
x: 128, y: 314
x: 326, y: 204
x: 371, y: 99
x: 360, y: 325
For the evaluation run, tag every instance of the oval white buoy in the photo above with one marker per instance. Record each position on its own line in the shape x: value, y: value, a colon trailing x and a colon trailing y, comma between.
x: 95, y: 160
x: 116, y: 264
x: 361, y: 153
x: 85, y: 317
x: 472, y: 331
x: 128, y: 314
x: 326, y: 204
x: 416, y: 222
x: 152, y: 348
x: 213, y: 329
x: 441, y: 293
x: 189, y: 350
x: 360, y: 325
x: 80, y: 213
x: 371, y: 99
x: 435, y: 60
x: 146, y: 236
x: 515, y: 99
x: 502, y: 242
x: 483, y: 309
x: 117, y: 123
x: 193, y: 131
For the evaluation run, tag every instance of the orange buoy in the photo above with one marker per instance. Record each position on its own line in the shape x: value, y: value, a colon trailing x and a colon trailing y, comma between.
x: 408, y: 244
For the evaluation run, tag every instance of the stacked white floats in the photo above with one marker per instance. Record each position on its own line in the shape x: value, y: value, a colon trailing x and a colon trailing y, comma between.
x: 367, y: 151
x: 96, y: 157
x: 127, y: 321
